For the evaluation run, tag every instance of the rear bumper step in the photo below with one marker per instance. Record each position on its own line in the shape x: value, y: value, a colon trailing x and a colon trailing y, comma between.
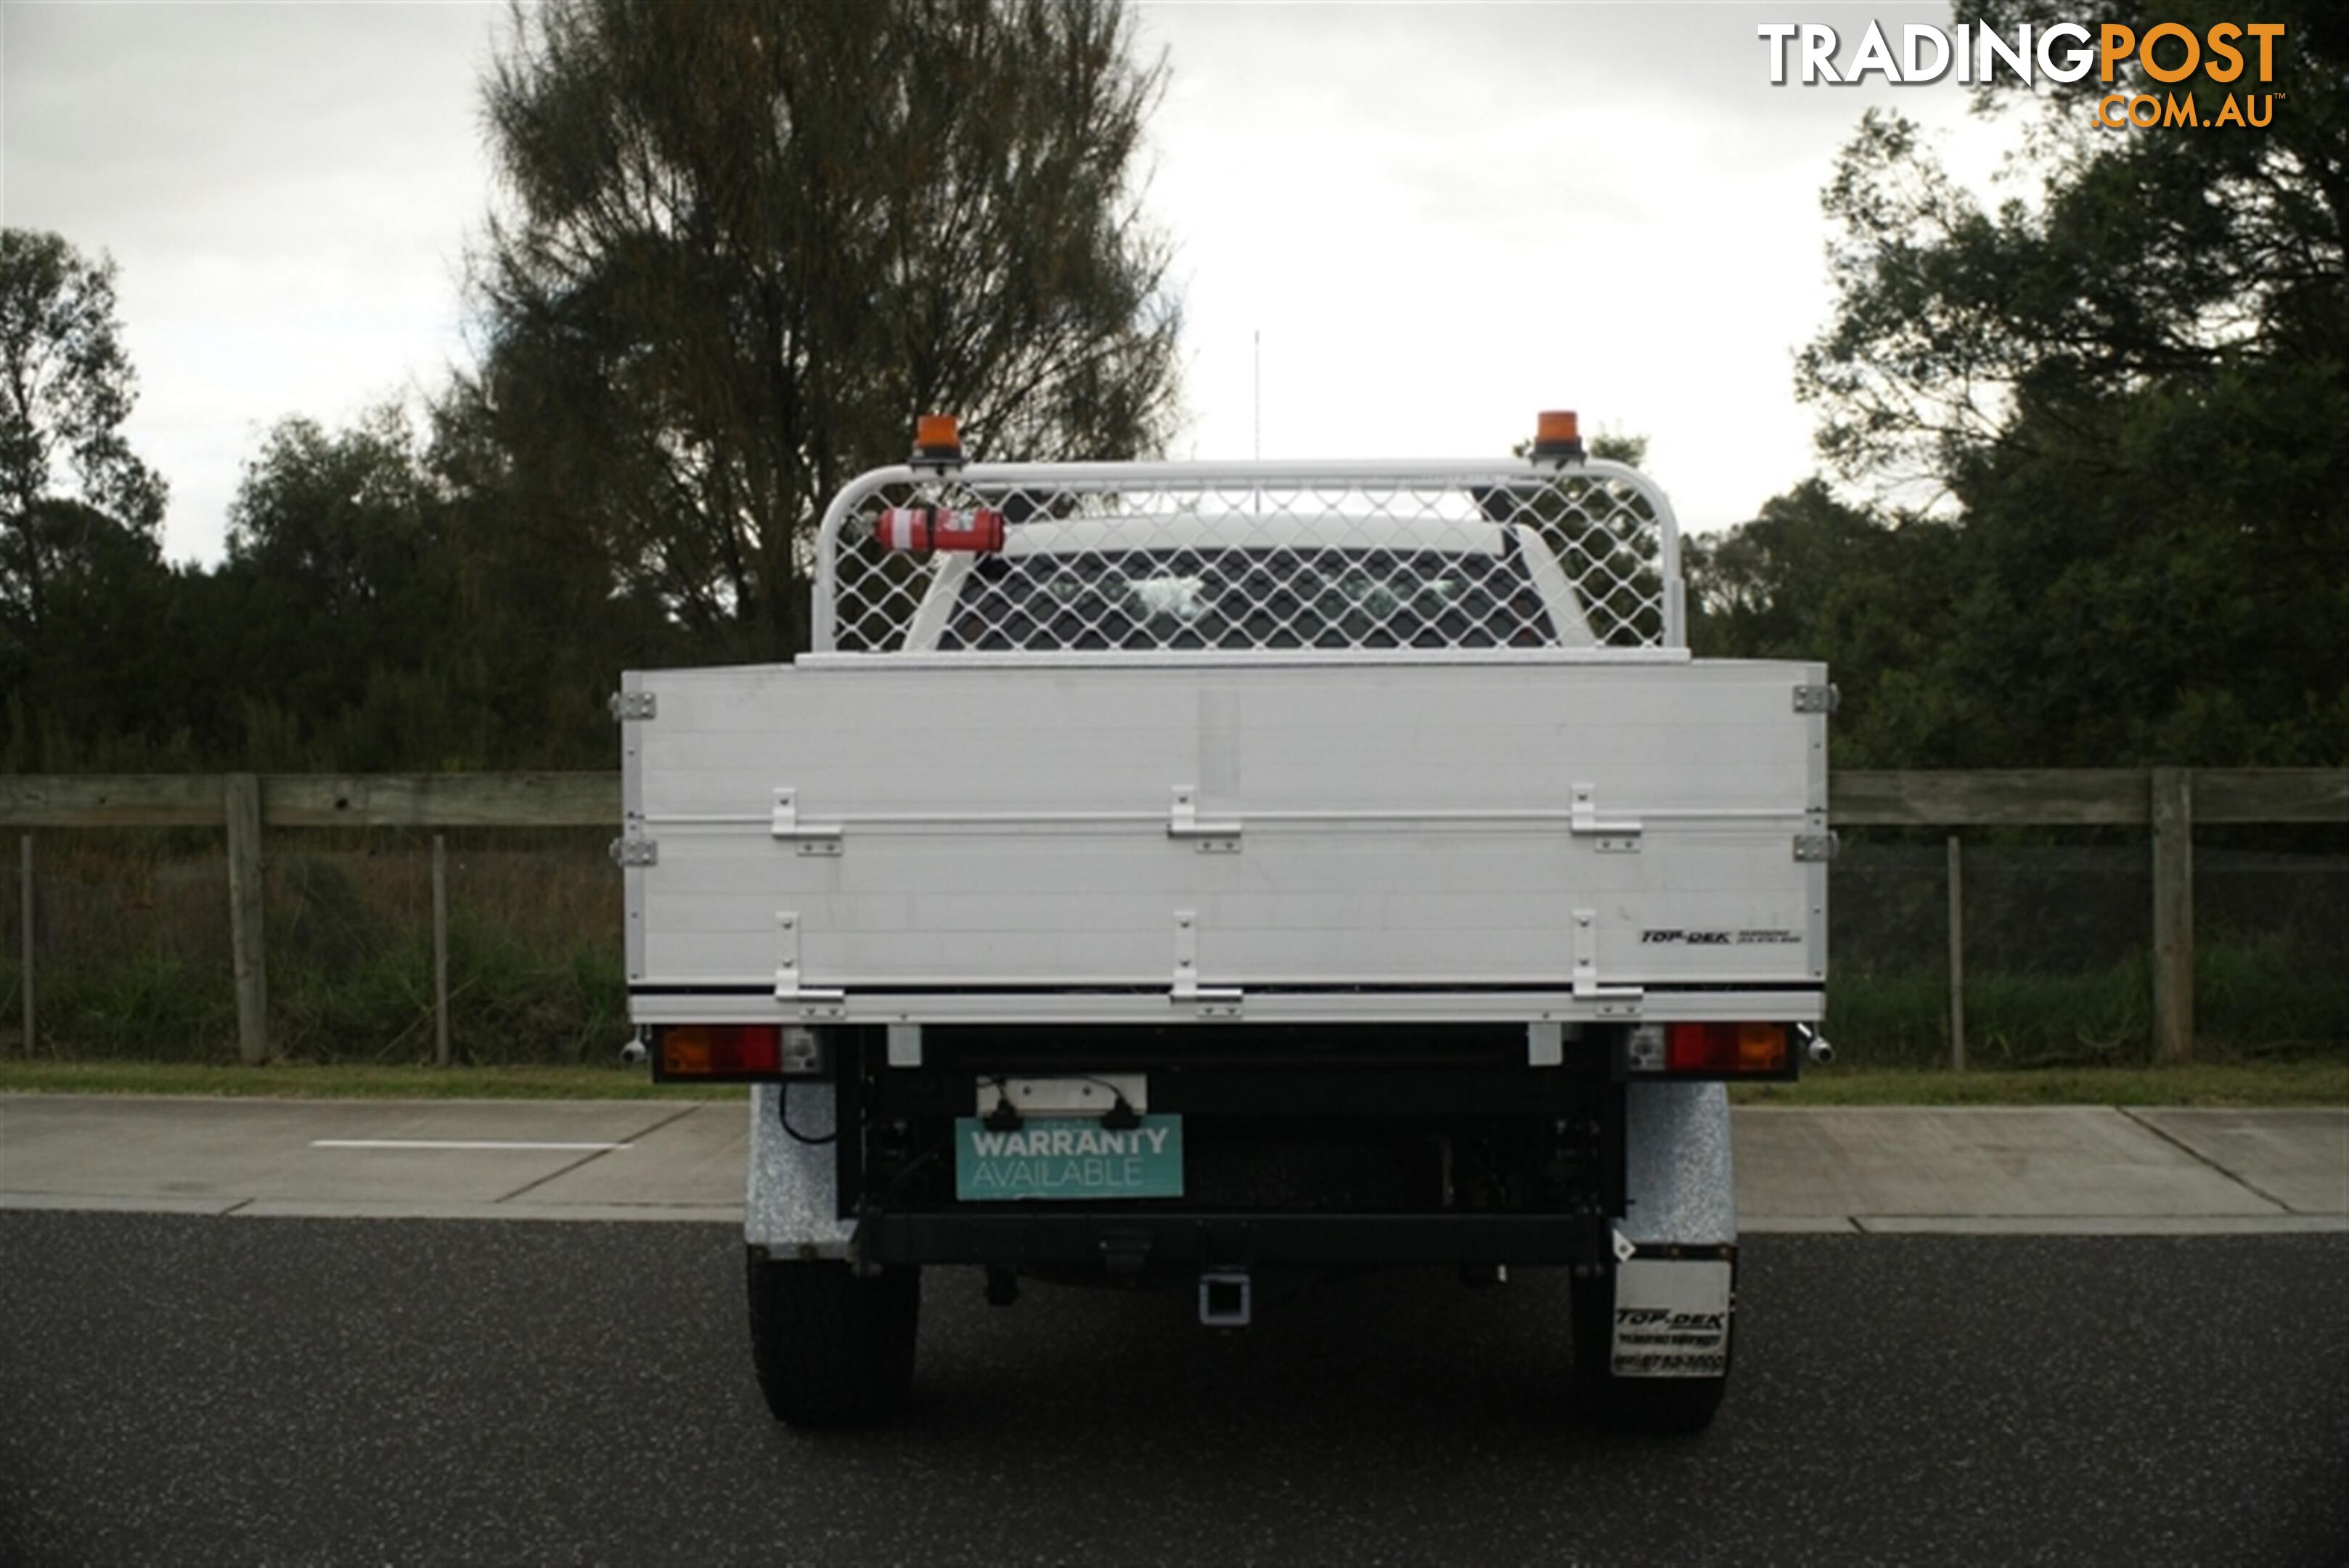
x: 1230, y: 1240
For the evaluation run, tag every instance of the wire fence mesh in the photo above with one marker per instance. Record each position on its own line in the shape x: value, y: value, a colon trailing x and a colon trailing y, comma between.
x: 2057, y: 950
x: 132, y: 953
x: 132, y: 949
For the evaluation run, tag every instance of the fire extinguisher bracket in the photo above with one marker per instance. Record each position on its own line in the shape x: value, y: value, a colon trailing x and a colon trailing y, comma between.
x: 975, y: 531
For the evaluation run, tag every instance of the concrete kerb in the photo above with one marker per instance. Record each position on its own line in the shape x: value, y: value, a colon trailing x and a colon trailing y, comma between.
x: 1830, y: 1170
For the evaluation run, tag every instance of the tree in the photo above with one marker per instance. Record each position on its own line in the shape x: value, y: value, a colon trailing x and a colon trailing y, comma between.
x: 2146, y: 258
x: 2126, y: 395
x: 1814, y: 577
x: 337, y: 557
x: 1612, y: 446
x: 65, y: 387
x: 386, y: 605
x: 744, y: 245
x: 342, y: 519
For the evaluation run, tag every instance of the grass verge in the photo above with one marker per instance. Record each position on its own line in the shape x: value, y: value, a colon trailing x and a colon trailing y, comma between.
x: 351, y: 1080
x: 2214, y: 1084
x: 2294, y: 1083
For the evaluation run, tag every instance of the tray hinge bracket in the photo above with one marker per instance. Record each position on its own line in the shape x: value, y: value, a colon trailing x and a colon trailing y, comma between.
x: 1204, y: 1001
x: 1608, y: 835
x: 635, y: 850
x: 813, y: 1001
x: 1817, y: 846
x: 1614, y: 1001
x: 1220, y: 837
x: 812, y: 839
x: 627, y: 705
x: 1818, y: 699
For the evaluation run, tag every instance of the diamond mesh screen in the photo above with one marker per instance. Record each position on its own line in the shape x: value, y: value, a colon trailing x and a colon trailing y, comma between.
x: 1150, y: 557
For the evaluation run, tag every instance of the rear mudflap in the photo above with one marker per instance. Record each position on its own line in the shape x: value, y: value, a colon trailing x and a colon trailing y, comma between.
x: 1672, y: 1313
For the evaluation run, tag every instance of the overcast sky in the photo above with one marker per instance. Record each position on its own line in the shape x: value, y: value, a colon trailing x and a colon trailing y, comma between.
x: 1441, y: 218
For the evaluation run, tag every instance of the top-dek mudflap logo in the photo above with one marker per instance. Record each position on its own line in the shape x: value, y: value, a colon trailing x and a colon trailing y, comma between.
x: 2061, y: 52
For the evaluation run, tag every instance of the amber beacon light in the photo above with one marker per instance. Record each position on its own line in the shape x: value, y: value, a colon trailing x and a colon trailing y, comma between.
x: 1557, y: 436
x: 937, y: 440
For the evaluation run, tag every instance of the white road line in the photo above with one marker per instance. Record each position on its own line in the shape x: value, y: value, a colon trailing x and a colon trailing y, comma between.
x: 453, y: 1143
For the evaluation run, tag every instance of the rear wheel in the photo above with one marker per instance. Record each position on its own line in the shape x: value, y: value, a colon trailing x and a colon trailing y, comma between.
x: 832, y: 1348
x: 1661, y: 1405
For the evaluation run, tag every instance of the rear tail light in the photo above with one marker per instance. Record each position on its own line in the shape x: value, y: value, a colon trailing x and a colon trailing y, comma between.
x: 940, y: 528
x: 1724, y: 1047
x: 713, y: 1051
x: 1709, y: 1050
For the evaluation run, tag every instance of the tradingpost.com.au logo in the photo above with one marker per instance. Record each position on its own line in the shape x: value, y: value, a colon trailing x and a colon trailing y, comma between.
x: 2226, y: 52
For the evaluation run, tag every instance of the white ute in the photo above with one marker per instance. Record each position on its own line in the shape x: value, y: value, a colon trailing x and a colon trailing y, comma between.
x: 1222, y: 876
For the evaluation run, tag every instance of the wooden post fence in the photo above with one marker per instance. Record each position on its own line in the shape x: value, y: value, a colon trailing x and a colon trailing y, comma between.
x: 25, y: 874
x: 440, y: 948
x: 2172, y: 809
x: 2168, y: 802
x: 241, y: 809
x: 1957, y: 959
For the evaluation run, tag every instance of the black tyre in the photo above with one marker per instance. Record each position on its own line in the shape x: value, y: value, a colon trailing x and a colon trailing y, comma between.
x: 832, y: 1349
x: 1658, y: 1405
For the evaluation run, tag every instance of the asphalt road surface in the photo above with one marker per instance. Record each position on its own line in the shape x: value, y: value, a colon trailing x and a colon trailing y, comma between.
x: 182, y: 1389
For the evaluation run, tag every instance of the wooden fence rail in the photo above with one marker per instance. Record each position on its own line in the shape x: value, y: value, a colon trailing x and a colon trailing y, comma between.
x: 2169, y: 802
x: 315, y: 800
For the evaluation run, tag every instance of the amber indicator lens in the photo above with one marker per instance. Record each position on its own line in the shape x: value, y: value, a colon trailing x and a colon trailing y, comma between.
x: 720, y: 1050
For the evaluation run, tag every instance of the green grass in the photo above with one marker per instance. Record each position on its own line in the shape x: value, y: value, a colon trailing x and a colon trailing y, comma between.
x: 2216, y: 1083
x: 135, y: 964
x: 340, y: 1081
x: 2298, y: 1082
x: 2263, y: 999
x: 134, y: 975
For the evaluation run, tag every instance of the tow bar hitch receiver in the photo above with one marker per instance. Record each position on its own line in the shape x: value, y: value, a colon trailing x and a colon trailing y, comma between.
x: 1225, y: 1300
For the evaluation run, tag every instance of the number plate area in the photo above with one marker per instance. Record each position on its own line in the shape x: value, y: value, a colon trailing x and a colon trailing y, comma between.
x: 1057, y: 1159
x: 1671, y: 1318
